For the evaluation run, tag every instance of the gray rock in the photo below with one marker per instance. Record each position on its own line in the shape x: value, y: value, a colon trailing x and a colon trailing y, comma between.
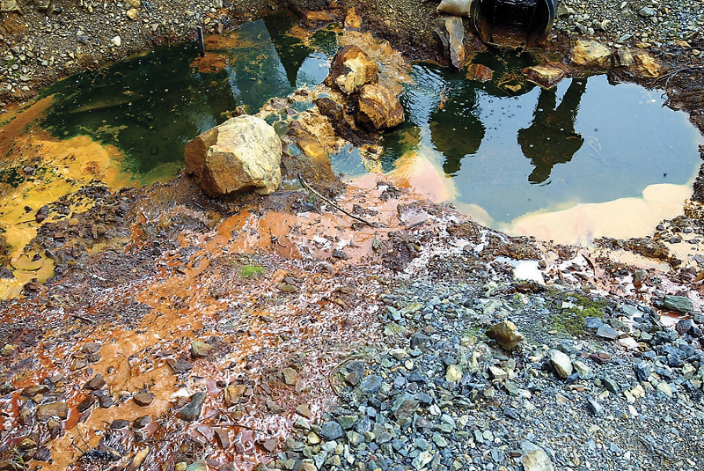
x: 371, y: 384
x: 647, y: 12
x: 592, y: 323
x: 594, y: 407
x: 331, y: 431
x: 605, y: 331
x: 192, y: 410
x: 678, y: 304
x: 450, y: 33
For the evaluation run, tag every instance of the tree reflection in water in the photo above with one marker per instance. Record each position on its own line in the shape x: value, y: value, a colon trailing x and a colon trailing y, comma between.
x: 551, y: 138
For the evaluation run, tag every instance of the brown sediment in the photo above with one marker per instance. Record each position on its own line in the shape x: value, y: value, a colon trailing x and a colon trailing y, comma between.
x: 416, y: 172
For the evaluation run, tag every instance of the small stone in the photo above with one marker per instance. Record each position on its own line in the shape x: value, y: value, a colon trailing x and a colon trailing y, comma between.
x: 86, y: 403
x: 561, y: 363
x: 90, y: 347
x: 290, y: 376
x: 592, y: 323
x: 119, y: 424
x: 141, y: 422
x: 201, y: 349
x: 95, y: 383
x: 610, y: 385
x: 132, y: 13
x: 331, y: 431
x: 116, y: 41
x: 664, y: 388
x: 198, y: 466
x: 678, y: 304
x: 371, y: 384
x: 453, y: 374
x: 179, y: 365
x: 506, y: 334
x: 594, y: 407
x: 304, y: 411
x: 497, y: 373
x: 234, y: 393
x: 55, y: 409
x: 605, y: 331
x: 534, y: 458
x: 192, y: 410
x: 143, y: 398
x: 273, y: 407
x: 223, y: 438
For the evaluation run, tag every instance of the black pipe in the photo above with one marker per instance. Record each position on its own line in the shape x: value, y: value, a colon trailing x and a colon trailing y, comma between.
x: 514, y: 23
x: 201, y: 41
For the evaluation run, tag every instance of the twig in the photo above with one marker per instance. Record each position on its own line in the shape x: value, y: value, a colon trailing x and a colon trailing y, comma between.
x: 333, y: 371
x: 417, y: 224
x: 309, y: 188
x: 77, y: 316
x: 672, y: 75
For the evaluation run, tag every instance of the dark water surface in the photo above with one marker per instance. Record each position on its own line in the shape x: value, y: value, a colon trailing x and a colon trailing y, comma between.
x: 150, y: 105
x: 508, y: 146
x: 512, y: 152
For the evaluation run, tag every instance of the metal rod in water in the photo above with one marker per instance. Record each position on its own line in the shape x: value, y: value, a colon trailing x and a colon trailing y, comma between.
x: 201, y: 40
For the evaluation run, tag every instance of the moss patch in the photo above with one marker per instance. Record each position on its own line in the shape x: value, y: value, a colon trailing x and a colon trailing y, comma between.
x: 570, y: 322
x: 251, y: 271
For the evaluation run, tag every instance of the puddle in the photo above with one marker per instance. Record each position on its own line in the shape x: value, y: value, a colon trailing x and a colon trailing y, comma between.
x: 511, y: 149
x: 150, y: 105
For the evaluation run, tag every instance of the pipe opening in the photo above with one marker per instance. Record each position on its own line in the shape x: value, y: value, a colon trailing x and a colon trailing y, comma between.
x: 513, y: 23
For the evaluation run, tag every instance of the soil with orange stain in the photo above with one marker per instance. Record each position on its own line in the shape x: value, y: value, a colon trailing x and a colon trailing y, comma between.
x: 268, y: 283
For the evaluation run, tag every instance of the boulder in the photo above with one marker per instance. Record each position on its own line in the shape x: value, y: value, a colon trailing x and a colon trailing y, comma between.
x: 351, y: 69
x: 506, y: 334
x: 591, y: 53
x: 378, y: 108
x: 243, y: 153
x: 450, y: 33
x: 545, y: 77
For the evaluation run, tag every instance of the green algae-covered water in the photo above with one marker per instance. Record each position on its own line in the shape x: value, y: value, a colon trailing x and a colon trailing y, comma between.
x: 150, y: 105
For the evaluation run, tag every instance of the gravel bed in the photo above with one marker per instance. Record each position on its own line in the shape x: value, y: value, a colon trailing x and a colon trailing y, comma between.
x: 443, y: 396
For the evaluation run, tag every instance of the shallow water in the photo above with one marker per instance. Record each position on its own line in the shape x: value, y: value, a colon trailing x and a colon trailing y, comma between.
x: 508, y: 153
x: 150, y: 105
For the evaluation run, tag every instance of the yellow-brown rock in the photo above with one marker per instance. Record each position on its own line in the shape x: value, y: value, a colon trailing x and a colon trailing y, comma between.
x: 243, y: 153
x: 353, y: 20
x: 506, y: 334
x: 647, y: 65
x: 351, y: 69
x: 591, y: 53
x: 546, y: 77
x: 378, y: 108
